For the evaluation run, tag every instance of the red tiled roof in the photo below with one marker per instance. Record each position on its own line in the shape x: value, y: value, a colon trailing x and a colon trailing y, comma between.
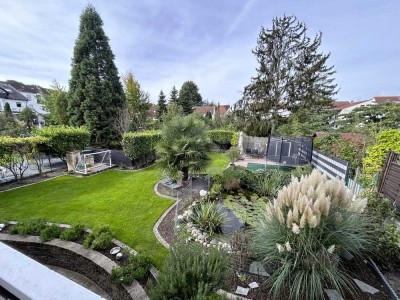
x: 346, y: 104
x: 387, y: 99
x: 223, y: 109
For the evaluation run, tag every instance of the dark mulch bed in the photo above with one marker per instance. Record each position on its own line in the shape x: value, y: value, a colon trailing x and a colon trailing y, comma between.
x: 166, y: 227
x: 32, y: 179
x: 356, y: 269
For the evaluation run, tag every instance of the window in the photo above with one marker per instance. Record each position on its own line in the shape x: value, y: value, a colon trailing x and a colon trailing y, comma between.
x: 19, y: 104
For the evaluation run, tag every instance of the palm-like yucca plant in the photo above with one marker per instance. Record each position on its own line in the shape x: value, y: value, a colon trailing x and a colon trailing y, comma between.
x: 303, y: 232
x: 183, y: 147
x: 209, y: 217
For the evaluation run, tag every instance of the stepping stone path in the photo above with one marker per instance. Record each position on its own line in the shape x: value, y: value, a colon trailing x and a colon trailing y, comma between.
x: 365, y: 287
x: 333, y: 294
x: 242, y: 291
x: 257, y: 268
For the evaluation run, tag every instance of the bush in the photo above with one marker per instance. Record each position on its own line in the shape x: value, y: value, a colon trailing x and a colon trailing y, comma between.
x: 233, y: 154
x: 191, y: 273
x: 386, y: 245
x: 33, y: 226
x: 74, y: 233
x: 223, y: 138
x: 63, y: 139
x: 139, y: 145
x: 376, y: 155
x: 208, y: 217
x: 234, y: 178
x: 302, y: 170
x: 304, y: 230
x: 100, y: 238
x: 269, y: 182
x: 50, y: 232
x: 15, y: 153
x: 137, y: 269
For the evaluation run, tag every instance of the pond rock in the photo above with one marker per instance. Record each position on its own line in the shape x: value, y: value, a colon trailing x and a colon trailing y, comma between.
x: 242, y: 291
x: 2, y: 226
x: 365, y: 287
x: 257, y: 268
x: 333, y: 294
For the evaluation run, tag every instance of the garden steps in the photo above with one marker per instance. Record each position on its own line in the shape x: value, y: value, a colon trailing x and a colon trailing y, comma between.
x: 135, y: 289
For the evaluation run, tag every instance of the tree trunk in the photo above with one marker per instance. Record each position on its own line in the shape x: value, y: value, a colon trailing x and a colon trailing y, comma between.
x: 185, y: 172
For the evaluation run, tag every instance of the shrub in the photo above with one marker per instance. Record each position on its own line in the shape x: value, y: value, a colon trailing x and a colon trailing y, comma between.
x: 223, y: 138
x: 137, y: 269
x: 191, y: 273
x: 386, y: 245
x: 33, y: 226
x: 209, y: 217
x: 269, y: 182
x: 63, y: 139
x: 73, y: 233
x: 303, y: 231
x: 233, y: 154
x: 50, y: 232
x: 385, y: 141
x: 139, y: 145
x: 100, y: 238
x: 233, y: 174
x: 15, y: 153
x: 302, y: 170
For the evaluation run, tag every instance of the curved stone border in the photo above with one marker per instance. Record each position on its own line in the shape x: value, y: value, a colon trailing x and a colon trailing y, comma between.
x: 134, y: 290
x: 155, y: 228
x: 389, y: 289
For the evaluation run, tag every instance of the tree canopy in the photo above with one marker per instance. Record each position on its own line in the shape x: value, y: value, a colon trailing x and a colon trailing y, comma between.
x: 161, y: 105
x: 173, y: 96
x: 55, y: 102
x: 95, y: 92
x: 189, y: 96
x: 291, y: 75
x: 183, y: 147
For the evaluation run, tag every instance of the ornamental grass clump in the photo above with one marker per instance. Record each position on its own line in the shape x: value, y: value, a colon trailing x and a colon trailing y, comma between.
x: 209, y: 217
x: 311, y: 221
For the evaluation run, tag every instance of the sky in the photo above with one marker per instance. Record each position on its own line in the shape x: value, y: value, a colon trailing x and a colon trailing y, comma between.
x: 165, y: 43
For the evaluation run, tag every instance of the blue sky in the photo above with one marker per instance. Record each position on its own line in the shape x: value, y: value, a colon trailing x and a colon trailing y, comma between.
x: 165, y: 43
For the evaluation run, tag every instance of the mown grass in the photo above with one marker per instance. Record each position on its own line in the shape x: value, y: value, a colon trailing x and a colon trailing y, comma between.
x: 123, y: 200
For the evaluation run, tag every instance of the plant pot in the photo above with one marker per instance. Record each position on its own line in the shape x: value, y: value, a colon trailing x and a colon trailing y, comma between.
x: 72, y: 160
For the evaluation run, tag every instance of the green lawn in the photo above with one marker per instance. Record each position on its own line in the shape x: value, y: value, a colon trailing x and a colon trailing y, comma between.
x: 123, y: 200
x: 219, y: 163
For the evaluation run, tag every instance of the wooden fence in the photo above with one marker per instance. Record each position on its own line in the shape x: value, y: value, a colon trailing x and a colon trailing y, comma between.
x: 389, y: 184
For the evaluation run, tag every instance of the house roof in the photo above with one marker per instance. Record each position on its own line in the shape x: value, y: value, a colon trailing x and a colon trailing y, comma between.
x: 26, y: 88
x: 381, y: 99
x: 346, y: 104
x: 9, y: 92
x: 223, y: 109
x: 152, y: 111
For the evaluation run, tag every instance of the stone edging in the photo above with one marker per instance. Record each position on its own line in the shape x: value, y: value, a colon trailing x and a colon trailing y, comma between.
x: 135, y: 289
x: 18, y: 187
x: 155, y: 228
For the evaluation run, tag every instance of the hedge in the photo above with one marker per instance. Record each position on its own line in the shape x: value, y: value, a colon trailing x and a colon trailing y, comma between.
x: 223, y: 138
x: 63, y: 139
x: 376, y: 154
x: 15, y: 153
x: 139, y: 145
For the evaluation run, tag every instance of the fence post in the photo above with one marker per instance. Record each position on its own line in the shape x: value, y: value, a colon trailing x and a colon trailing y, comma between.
x: 385, y: 170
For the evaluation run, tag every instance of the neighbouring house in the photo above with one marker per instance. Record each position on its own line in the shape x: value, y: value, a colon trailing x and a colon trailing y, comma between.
x: 212, y: 110
x: 152, y: 112
x: 347, y: 107
x: 8, y: 94
x: 33, y: 93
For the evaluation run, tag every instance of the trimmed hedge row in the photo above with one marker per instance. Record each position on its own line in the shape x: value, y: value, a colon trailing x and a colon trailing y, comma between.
x: 223, y: 138
x: 63, y: 139
x: 140, y: 145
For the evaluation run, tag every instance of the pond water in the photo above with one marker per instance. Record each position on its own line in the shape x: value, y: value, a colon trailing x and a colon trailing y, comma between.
x: 233, y: 223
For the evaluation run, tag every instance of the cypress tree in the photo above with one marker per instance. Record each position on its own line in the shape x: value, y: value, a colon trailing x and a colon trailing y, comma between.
x: 161, y: 105
x: 95, y: 91
x: 173, y: 96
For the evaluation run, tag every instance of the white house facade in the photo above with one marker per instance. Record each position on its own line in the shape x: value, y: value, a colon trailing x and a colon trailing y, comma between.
x: 15, y: 99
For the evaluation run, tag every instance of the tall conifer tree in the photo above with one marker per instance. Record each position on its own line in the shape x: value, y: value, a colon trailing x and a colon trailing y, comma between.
x: 189, y: 96
x: 95, y: 91
x: 292, y: 74
x: 173, y: 96
x: 161, y: 105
